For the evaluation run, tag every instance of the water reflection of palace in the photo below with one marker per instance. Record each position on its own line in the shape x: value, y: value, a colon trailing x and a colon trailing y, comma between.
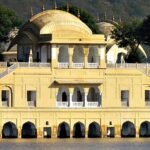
x: 62, y: 86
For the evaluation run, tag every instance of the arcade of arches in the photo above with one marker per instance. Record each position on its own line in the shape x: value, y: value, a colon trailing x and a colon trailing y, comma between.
x: 65, y: 54
x: 79, y: 130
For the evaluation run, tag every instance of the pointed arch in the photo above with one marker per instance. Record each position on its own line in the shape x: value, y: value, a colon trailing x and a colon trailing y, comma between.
x: 145, y: 129
x: 94, y: 130
x: 29, y: 130
x: 63, y: 130
x: 79, y: 130
x: 128, y: 129
x: 9, y: 130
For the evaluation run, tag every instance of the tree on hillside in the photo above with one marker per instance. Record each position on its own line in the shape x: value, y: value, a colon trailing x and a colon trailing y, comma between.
x: 8, y: 21
x: 87, y: 18
x: 128, y: 35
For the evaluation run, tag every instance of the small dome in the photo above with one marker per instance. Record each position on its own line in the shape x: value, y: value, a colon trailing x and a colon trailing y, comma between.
x: 106, y: 27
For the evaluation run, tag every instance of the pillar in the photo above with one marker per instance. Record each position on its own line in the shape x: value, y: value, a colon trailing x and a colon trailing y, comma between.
x: 70, y: 96
x: 70, y: 99
x: 86, y: 53
x: 102, y: 56
x: 55, y: 51
x: 70, y: 56
x: 86, y: 90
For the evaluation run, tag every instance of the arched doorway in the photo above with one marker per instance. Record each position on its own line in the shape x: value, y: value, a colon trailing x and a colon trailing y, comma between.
x: 128, y: 129
x: 63, y: 130
x: 29, y: 130
x: 145, y: 129
x: 94, y: 130
x: 79, y: 130
x: 9, y: 130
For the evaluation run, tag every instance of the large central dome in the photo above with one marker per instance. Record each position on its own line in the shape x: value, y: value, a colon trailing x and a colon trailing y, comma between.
x: 58, y: 22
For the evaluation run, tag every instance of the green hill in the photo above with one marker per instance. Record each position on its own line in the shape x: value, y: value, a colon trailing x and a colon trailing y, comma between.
x: 119, y: 8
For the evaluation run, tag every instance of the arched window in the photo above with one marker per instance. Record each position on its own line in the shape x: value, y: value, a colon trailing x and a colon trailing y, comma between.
x: 93, y: 95
x: 93, y: 55
x: 78, y: 94
x: 78, y: 55
x: 63, y: 56
x: 63, y: 94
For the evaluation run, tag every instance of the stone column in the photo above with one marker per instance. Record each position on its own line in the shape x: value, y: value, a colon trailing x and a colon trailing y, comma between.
x: 70, y: 96
x: 102, y: 56
x: 70, y: 56
x: 85, y: 99
x: 55, y: 51
x: 85, y: 96
x: 86, y: 53
x: 70, y: 99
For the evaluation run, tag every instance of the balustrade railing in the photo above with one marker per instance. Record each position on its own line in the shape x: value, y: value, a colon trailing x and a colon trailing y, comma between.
x: 124, y: 103
x: 92, y: 104
x: 63, y: 65
x: 147, y: 103
x: 31, y: 103
x: 5, y: 103
x: 62, y: 104
x: 77, y: 104
x: 36, y: 65
x: 77, y: 65
x: 92, y: 65
x: 3, y: 64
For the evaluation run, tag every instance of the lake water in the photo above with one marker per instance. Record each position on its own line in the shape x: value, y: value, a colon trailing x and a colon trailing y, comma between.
x: 75, y: 144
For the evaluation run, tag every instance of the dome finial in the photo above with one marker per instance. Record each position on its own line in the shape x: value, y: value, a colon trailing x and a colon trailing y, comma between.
x: 120, y: 20
x: 67, y: 7
x: 55, y: 4
x: 43, y: 8
x: 31, y: 12
x: 98, y: 19
x: 78, y: 13
x: 113, y: 18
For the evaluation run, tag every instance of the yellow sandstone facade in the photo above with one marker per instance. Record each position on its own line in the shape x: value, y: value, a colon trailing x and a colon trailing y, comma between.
x: 63, y: 87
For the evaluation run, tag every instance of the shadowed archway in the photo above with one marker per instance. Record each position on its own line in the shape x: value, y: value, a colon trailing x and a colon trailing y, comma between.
x: 128, y: 130
x: 79, y: 130
x: 29, y: 130
x: 9, y: 130
x: 94, y: 130
x: 144, y: 129
x: 63, y: 130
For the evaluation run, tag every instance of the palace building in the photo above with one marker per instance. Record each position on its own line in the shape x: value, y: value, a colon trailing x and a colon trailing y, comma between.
x: 62, y: 86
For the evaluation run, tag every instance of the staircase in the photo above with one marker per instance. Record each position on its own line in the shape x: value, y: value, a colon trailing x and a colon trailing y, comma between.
x: 23, y: 65
x: 9, y: 70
